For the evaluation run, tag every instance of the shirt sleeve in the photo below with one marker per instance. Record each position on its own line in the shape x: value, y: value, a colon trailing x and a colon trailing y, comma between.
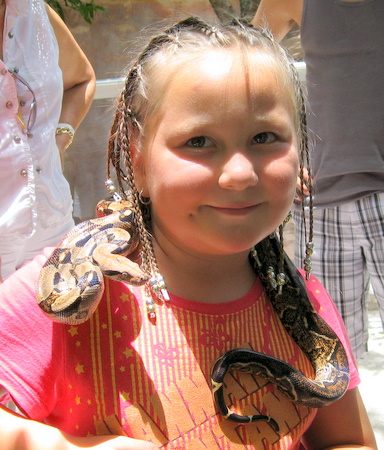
x: 326, y: 309
x: 29, y: 364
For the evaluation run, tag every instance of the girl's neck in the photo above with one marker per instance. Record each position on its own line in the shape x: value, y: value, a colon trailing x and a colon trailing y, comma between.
x: 214, y: 280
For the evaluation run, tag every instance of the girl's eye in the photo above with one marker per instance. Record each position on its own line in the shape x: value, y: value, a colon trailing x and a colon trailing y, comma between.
x: 199, y: 142
x: 265, y: 138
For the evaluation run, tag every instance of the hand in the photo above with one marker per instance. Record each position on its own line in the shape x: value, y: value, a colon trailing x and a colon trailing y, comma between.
x: 62, y: 141
x: 106, y: 443
x: 342, y: 425
x: 302, y: 190
x: 23, y: 434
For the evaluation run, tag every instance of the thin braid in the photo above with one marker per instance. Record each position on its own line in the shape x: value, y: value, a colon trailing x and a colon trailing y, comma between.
x: 110, y: 153
x: 118, y: 143
x: 305, y: 162
x: 309, y: 185
x: 193, y: 24
x: 304, y: 158
x: 281, y: 255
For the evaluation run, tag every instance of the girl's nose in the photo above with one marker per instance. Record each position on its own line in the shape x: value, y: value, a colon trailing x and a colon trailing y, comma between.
x: 238, y: 173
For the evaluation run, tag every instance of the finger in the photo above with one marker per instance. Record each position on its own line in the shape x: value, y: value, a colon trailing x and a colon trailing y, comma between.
x: 107, y: 443
x: 125, y: 443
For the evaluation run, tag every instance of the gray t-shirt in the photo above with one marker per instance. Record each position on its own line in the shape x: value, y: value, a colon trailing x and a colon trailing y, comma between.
x: 344, y: 52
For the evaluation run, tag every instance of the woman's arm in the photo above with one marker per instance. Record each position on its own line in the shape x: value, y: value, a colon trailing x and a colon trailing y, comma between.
x: 23, y: 434
x: 78, y: 77
x: 341, y: 425
x: 278, y: 15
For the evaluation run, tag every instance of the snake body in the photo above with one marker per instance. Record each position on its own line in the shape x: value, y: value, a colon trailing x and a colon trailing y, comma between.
x: 312, y: 334
x: 70, y: 284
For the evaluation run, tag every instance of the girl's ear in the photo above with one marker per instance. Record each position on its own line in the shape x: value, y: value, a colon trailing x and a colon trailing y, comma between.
x: 138, y: 160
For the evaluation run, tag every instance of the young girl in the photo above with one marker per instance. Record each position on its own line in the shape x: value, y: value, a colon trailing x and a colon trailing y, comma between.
x: 208, y: 137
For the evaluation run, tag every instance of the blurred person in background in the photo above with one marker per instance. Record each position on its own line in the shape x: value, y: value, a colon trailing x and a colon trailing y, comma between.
x: 46, y: 88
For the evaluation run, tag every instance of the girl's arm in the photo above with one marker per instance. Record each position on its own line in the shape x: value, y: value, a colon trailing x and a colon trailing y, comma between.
x: 341, y: 425
x: 78, y: 77
x: 23, y: 434
x: 278, y: 15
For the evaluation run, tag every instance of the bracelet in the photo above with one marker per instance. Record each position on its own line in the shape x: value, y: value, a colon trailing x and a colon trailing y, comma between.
x: 65, y: 128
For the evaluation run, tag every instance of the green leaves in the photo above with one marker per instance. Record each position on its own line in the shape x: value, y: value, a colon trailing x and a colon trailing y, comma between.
x: 86, y: 9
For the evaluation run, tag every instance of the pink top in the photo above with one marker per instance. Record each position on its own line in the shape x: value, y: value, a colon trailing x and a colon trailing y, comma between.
x: 120, y: 374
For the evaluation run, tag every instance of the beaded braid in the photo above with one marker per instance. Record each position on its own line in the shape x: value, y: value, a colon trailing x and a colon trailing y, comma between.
x: 132, y: 111
x: 119, y: 143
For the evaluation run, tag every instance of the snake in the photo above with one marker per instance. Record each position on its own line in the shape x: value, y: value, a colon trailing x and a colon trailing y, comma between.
x: 71, y: 282
x: 70, y: 286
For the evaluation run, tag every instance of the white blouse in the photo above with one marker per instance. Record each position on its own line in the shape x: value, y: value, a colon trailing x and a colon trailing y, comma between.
x: 33, y: 188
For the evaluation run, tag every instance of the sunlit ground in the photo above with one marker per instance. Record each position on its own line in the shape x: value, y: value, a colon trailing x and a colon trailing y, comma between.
x: 371, y: 368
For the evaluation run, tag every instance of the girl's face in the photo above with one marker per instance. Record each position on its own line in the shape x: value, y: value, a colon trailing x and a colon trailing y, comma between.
x: 220, y: 159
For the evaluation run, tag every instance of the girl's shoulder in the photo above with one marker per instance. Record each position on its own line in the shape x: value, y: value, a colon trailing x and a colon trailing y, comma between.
x: 20, y: 287
x: 320, y: 299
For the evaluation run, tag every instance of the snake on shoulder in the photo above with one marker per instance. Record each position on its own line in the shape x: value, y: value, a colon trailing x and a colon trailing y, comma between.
x: 71, y: 282
x: 71, y: 285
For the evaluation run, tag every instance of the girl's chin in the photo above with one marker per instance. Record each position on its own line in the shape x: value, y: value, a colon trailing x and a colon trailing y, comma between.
x: 215, y: 241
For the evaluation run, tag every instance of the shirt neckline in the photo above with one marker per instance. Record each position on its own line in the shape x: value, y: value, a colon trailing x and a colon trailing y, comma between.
x: 221, y: 308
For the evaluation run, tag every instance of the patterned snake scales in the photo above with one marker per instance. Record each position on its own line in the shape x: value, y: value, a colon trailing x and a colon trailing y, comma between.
x: 71, y: 285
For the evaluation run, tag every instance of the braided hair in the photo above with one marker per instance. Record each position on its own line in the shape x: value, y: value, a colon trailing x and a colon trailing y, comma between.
x: 141, y: 98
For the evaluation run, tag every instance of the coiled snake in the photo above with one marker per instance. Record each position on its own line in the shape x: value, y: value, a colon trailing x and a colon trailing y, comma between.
x: 70, y: 287
x: 71, y: 284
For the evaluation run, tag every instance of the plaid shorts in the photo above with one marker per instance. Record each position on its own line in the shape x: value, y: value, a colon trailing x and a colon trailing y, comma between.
x: 348, y: 256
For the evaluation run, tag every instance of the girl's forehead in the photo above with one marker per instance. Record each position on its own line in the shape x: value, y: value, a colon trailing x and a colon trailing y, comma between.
x: 204, y: 66
x: 218, y: 61
x: 257, y: 72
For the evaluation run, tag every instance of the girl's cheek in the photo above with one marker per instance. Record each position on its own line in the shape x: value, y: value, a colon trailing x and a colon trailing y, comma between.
x: 283, y: 171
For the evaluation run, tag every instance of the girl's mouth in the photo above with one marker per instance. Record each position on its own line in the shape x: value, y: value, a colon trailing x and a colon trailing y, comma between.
x: 236, y: 210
